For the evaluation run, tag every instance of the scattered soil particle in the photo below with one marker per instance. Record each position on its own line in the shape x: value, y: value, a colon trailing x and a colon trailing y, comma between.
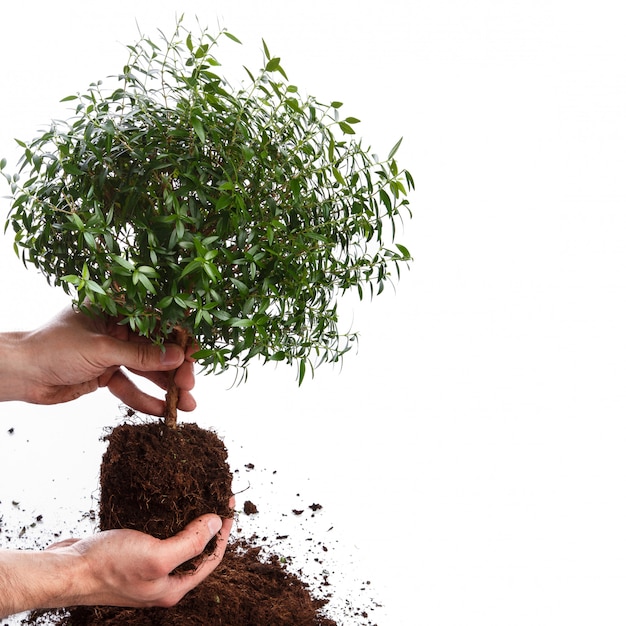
x: 249, y: 508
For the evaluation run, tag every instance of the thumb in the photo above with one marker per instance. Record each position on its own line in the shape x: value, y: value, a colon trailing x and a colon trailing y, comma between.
x: 192, y: 540
x: 144, y: 356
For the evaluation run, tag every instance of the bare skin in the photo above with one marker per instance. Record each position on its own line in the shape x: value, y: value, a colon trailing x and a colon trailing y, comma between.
x: 63, y: 360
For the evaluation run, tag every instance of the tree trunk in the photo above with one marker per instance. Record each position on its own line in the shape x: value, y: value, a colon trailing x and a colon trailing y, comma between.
x: 181, y: 337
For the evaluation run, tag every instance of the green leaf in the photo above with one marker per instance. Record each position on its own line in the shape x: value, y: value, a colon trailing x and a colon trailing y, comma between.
x: 241, y: 286
x: 394, y: 150
x: 221, y: 315
x: 238, y: 322
x: 272, y: 65
x: 301, y: 371
x: 121, y: 261
x: 145, y: 281
x: 89, y: 240
x: 231, y: 37
x: 191, y: 267
x: 72, y: 279
x: 338, y: 176
x: 201, y: 51
x: 93, y: 286
x: 198, y: 128
x: 146, y: 270
x: 266, y: 50
x: 404, y: 251
x: 346, y: 128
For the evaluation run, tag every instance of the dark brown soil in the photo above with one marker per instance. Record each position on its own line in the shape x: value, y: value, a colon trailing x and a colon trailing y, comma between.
x: 157, y: 480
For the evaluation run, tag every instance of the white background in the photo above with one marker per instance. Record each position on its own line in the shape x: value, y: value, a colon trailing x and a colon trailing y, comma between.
x: 470, y: 457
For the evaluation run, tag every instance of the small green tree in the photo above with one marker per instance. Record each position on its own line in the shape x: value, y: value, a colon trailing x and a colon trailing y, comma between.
x: 192, y: 210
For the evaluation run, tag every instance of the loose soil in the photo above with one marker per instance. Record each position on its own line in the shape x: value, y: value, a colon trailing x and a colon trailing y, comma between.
x: 156, y: 479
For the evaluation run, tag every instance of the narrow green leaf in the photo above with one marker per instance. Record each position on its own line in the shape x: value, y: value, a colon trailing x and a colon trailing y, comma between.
x: 89, y: 240
x: 404, y: 251
x: 146, y: 270
x: 409, y: 180
x: 241, y: 286
x: 198, y: 128
x: 221, y: 315
x: 127, y: 265
x: 346, y: 128
x: 238, y: 322
x: 145, y: 281
x: 394, y: 150
x: 338, y: 176
x: 231, y: 37
x: 72, y: 279
x: 191, y: 267
x: 266, y: 50
x: 95, y: 287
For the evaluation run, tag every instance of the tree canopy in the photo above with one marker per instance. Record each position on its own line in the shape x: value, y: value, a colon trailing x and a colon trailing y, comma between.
x: 171, y: 199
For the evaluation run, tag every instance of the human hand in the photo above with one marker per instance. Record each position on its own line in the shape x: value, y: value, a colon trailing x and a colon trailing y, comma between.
x: 75, y: 354
x: 131, y: 569
x: 113, y: 568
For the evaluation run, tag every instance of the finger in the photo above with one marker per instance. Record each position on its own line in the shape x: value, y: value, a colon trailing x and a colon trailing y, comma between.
x: 186, y: 402
x: 183, y: 583
x: 141, y: 356
x: 125, y: 389
x: 222, y: 540
x: 185, y: 377
x: 192, y: 348
x: 222, y: 543
x: 190, y: 541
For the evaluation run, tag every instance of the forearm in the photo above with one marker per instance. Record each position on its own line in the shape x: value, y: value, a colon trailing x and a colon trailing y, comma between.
x: 12, y: 366
x: 37, y: 580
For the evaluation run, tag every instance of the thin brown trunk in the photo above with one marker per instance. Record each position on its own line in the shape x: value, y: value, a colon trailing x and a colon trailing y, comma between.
x: 181, y: 337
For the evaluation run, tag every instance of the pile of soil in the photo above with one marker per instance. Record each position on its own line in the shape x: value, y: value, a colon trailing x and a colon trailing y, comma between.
x: 156, y: 479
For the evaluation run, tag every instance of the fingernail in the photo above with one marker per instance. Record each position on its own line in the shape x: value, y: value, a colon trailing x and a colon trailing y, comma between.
x: 171, y: 355
x: 215, y: 525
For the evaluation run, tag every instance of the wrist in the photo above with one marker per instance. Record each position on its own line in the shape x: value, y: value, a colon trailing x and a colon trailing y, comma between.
x: 39, y: 580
